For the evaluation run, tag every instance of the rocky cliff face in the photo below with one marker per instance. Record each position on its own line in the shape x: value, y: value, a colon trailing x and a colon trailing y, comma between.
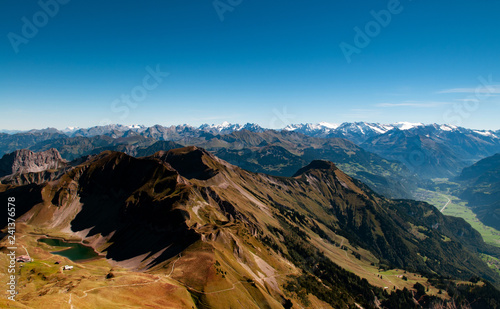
x: 26, y: 161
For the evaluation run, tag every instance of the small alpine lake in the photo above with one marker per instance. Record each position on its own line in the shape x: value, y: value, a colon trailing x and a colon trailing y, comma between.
x: 75, y: 251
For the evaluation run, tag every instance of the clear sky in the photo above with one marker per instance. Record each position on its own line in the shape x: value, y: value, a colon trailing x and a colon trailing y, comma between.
x: 85, y: 63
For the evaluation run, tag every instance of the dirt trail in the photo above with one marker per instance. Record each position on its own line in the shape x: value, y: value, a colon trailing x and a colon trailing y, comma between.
x: 173, y: 265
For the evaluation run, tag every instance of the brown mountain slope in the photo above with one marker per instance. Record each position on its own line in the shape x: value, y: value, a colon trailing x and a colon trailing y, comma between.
x: 215, y: 227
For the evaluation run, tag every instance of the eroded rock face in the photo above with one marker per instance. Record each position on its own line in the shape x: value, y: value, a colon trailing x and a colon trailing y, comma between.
x: 26, y: 161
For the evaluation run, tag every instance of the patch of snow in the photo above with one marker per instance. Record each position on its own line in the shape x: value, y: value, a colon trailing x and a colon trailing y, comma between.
x: 446, y: 127
x: 223, y: 126
x: 135, y: 126
x: 290, y: 128
x: 407, y: 125
x: 360, y: 129
x: 311, y: 128
x: 329, y: 125
x: 484, y: 133
x: 379, y: 129
x: 387, y: 127
x: 70, y: 129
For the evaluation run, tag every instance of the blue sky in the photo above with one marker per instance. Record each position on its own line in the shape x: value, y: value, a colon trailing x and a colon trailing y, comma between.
x: 269, y: 62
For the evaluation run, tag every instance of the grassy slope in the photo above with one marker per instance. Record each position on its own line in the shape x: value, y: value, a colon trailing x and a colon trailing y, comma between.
x: 42, y: 283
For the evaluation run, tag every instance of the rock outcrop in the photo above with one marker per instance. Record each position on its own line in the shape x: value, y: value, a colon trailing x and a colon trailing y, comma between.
x: 26, y: 161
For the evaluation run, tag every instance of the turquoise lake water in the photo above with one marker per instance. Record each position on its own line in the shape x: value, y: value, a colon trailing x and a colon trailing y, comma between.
x: 75, y: 251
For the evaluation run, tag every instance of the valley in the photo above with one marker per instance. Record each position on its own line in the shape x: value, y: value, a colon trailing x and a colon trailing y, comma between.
x: 454, y: 206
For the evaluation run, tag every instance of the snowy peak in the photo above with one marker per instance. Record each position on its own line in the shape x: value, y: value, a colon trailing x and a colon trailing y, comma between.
x: 311, y: 126
x: 218, y: 127
x: 70, y: 130
x: 135, y: 127
x: 447, y: 127
x: 407, y: 125
x: 492, y: 134
x: 321, y: 129
x: 228, y: 128
x: 329, y: 125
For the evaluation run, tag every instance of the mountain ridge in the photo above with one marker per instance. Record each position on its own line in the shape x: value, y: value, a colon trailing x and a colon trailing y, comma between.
x: 481, y: 189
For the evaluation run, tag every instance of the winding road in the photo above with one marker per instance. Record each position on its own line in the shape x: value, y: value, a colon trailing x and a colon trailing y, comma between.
x: 447, y: 203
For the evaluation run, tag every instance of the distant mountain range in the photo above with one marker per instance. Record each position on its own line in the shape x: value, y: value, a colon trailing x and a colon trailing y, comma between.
x: 279, y: 153
x: 408, y: 149
x: 357, y: 132
x: 117, y: 130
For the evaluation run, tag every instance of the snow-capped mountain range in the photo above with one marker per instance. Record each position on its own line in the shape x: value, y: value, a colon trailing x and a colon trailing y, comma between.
x: 429, y: 150
x: 357, y: 132
x: 361, y: 127
x: 228, y: 128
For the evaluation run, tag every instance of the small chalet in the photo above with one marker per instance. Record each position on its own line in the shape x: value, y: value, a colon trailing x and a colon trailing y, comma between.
x: 23, y: 259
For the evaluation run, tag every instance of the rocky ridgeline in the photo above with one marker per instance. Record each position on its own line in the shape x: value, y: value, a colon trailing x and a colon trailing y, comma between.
x: 26, y: 161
